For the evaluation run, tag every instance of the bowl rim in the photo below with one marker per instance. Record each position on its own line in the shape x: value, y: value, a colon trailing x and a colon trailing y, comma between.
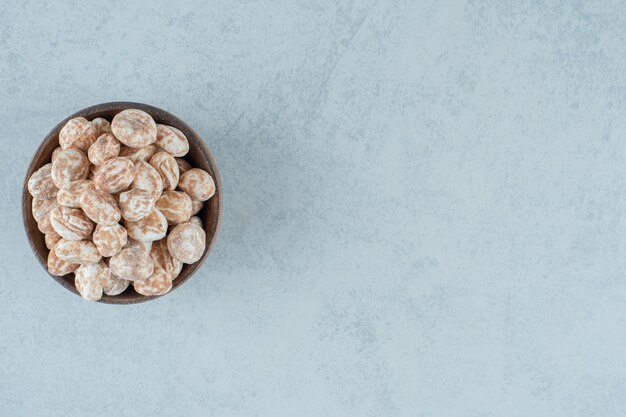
x: 88, y: 112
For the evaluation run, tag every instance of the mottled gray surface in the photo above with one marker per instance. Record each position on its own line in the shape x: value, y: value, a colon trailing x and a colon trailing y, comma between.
x: 424, y: 209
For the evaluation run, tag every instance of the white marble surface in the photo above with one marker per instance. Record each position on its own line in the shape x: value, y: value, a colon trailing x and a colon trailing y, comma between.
x: 423, y: 209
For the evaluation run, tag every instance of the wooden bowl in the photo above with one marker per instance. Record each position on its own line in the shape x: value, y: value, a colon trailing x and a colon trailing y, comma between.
x: 199, y: 156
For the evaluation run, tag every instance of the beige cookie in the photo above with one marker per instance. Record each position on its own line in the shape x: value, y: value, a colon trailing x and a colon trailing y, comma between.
x: 151, y: 227
x: 104, y: 148
x: 58, y: 267
x: 136, y: 204
x: 166, y: 166
x: 186, y: 242
x: 109, y: 239
x: 41, y: 185
x: 115, y: 175
x: 55, y: 153
x: 102, y: 126
x: 90, y: 280
x: 134, y: 128
x: 115, y: 285
x: 198, y: 184
x: 145, y: 246
x: 176, y: 206
x: 131, y: 264
x: 183, y: 166
x: 78, y: 133
x: 100, y: 207
x: 41, y: 206
x: 70, y: 196
x: 52, y: 239
x: 139, y: 154
x: 44, y: 224
x: 71, y: 224
x: 77, y: 251
x: 177, y: 272
x: 158, y: 283
x: 147, y: 178
x: 196, y: 206
x: 71, y: 165
x: 197, y: 221
x: 172, y: 140
x: 162, y: 258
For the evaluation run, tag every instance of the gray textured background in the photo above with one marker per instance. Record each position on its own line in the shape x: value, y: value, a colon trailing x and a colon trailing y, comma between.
x: 424, y: 209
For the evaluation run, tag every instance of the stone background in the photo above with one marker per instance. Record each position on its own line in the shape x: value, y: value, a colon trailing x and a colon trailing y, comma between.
x: 423, y: 209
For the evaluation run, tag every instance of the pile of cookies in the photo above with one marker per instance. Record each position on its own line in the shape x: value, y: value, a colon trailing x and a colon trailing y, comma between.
x: 118, y: 205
